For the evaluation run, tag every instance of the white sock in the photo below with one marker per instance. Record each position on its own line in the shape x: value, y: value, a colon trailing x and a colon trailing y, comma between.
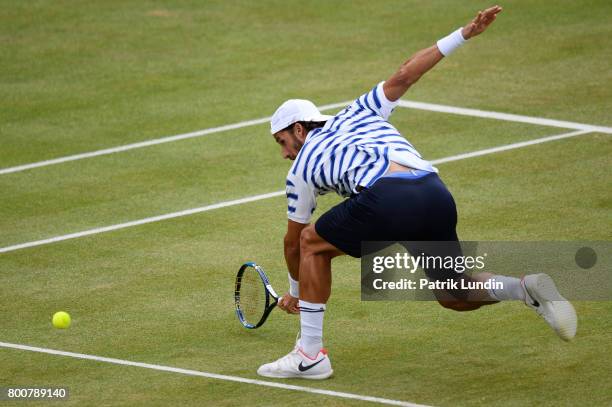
x: 311, y: 318
x: 511, y: 290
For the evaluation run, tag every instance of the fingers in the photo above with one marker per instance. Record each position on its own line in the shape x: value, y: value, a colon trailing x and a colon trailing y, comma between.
x: 493, y: 10
x: 288, y: 304
x: 481, y: 22
x: 487, y: 15
x: 291, y: 309
x: 485, y: 18
x: 282, y: 304
x: 489, y: 19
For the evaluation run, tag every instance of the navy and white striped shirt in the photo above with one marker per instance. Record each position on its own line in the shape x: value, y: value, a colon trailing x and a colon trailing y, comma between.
x: 353, y: 149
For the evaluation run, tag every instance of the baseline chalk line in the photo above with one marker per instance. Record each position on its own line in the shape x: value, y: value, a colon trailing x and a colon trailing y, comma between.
x: 215, y: 376
x: 402, y: 103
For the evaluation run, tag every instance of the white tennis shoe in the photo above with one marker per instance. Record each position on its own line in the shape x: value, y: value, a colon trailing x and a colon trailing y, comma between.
x: 297, y: 365
x: 542, y: 295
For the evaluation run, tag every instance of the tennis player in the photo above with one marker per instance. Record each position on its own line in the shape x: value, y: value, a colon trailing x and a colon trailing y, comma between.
x: 393, y: 195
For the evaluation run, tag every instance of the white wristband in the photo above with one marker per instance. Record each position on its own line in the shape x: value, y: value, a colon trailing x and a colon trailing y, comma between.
x: 451, y: 42
x: 294, y: 287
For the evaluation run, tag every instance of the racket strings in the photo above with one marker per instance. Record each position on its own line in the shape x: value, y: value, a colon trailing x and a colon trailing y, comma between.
x: 252, y: 296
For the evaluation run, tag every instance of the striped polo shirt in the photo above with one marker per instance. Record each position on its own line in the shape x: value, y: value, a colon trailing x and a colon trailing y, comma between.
x: 352, y: 150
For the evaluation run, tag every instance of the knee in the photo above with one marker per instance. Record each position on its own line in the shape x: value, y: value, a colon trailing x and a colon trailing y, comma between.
x: 308, y: 238
x: 460, y: 305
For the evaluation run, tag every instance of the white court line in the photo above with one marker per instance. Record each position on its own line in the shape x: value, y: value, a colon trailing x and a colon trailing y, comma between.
x: 510, y: 146
x: 142, y: 221
x: 270, y: 195
x: 402, y: 103
x: 213, y: 375
x: 504, y: 116
x: 148, y: 143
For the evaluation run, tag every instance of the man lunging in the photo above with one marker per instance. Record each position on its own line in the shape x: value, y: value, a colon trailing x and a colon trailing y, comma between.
x: 393, y: 195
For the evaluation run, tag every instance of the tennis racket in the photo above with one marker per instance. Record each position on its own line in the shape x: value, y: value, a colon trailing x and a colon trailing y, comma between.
x: 254, y: 296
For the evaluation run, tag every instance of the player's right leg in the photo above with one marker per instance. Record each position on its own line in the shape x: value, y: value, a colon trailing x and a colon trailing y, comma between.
x: 338, y: 231
x: 296, y: 364
x: 308, y: 359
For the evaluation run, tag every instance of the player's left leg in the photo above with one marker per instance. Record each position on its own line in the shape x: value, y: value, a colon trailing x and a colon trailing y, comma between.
x: 538, y: 291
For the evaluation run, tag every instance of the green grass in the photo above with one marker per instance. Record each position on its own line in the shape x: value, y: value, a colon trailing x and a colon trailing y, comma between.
x: 79, y: 77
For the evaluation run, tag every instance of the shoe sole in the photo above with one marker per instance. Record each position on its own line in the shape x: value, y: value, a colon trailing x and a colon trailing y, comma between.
x: 321, y: 376
x: 564, y: 311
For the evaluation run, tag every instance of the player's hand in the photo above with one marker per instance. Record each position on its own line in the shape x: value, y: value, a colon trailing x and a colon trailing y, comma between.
x: 481, y: 22
x: 289, y: 304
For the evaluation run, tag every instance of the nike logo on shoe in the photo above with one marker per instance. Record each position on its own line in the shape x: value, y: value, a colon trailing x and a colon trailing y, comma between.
x: 533, y: 301
x: 303, y: 368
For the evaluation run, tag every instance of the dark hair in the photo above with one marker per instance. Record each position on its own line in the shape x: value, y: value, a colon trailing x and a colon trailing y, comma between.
x: 308, y: 126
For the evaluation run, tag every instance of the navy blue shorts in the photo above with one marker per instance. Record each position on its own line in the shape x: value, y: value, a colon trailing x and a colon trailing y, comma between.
x: 414, y: 211
x: 393, y: 209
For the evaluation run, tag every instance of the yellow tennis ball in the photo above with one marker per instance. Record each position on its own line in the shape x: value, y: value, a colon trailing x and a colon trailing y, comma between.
x: 61, y: 320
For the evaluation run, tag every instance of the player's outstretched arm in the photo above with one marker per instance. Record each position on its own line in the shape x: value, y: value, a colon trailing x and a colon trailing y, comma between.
x: 421, y: 62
